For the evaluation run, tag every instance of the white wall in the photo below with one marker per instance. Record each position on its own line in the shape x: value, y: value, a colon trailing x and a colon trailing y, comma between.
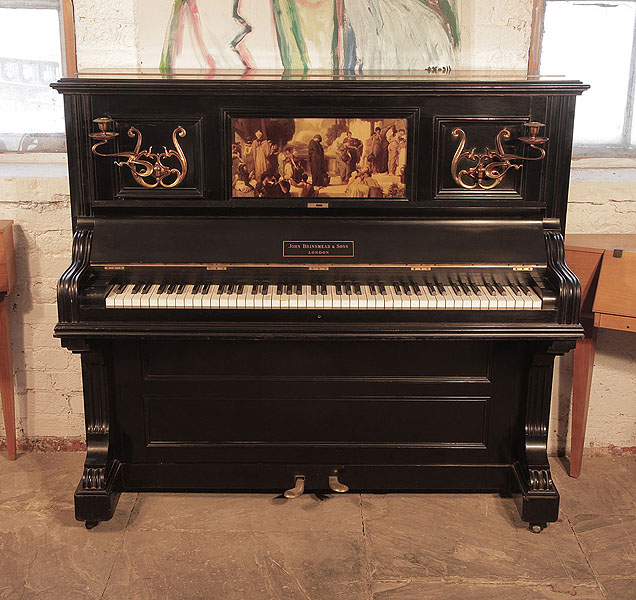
x: 48, y: 387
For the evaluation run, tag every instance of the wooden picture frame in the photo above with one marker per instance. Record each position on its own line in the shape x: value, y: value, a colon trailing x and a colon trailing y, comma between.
x: 69, y: 49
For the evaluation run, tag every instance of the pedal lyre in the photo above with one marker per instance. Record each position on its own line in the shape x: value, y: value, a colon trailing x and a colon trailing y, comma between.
x: 298, y: 488
x: 336, y: 485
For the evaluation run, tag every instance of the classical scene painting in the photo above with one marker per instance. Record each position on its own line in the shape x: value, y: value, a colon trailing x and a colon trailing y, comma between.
x: 350, y: 36
x: 319, y: 158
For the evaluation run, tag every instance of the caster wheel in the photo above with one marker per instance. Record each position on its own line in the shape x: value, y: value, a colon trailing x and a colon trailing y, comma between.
x: 91, y: 524
x: 537, y: 527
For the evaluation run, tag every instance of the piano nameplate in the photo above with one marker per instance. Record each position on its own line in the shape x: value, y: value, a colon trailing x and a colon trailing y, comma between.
x: 318, y: 248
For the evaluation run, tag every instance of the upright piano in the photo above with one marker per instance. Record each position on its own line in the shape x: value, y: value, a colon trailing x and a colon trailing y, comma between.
x: 327, y: 282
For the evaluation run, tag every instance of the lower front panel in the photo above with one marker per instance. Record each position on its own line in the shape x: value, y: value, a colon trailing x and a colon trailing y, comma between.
x: 186, y: 407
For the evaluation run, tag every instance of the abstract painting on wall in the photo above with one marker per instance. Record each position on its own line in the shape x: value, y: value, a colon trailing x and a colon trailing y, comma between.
x: 349, y: 36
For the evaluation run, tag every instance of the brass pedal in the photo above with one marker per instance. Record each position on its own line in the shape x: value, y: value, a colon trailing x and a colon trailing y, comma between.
x: 298, y: 489
x: 336, y: 485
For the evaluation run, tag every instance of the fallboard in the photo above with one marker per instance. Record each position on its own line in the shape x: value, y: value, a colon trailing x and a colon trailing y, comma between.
x: 318, y: 241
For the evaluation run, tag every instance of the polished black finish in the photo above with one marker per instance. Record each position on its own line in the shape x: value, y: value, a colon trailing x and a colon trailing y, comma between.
x: 248, y: 400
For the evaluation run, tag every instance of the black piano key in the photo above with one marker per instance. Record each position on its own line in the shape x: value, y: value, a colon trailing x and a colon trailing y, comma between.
x: 416, y: 288
x: 314, y: 289
x: 348, y: 288
x: 396, y: 288
x: 323, y: 289
x: 230, y: 288
x: 406, y: 288
x: 288, y: 289
x: 195, y: 288
x: 440, y: 287
x: 171, y: 288
x: 299, y: 289
x: 465, y: 288
x: 498, y: 288
x: 490, y: 289
x: 338, y: 289
x: 181, y: 289
x: 372, y: 288
x: 120, y: 288
x: 255, y: 289
x: 475, y: 289
x: 456, y: 289
x: 382, y: 289
x: 523, y: 288
x: 137, y: 288
x: 205, y: 289
x: 514, y: 288
x: 431, y: 288
x: 265, y: 289
x: 162, y: 288
x: 146, y: 288
x: 279, y: 289
x: 357, y: 289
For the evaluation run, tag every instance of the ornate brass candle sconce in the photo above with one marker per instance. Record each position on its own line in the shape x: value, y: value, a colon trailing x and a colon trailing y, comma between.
x: 144, y: 164
x: 490, y: 168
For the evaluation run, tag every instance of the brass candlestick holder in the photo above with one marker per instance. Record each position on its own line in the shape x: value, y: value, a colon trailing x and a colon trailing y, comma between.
x: 490, y: 167
x: 146, y: 166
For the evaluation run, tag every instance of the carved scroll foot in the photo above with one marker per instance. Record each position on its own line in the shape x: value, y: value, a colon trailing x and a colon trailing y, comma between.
x: 95, y: 504
x: 98, y: 491
x: 537, y: 497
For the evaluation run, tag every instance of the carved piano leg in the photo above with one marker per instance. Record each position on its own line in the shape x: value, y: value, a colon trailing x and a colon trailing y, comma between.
x: 98, y: 491
x: 538, y: 498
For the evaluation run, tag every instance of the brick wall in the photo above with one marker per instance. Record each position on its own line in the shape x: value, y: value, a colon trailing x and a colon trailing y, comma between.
x: 47, y: 378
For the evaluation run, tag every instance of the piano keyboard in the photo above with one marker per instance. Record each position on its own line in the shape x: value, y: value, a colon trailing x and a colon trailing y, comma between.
x: 340, y: 296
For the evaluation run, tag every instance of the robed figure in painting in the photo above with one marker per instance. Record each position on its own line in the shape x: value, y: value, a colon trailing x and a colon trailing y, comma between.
x: 317, y: 164
x: 260, y: 150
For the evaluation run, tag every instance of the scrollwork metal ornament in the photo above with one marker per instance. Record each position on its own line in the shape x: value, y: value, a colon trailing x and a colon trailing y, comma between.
x: 146, y: 166
x: 491, y: 167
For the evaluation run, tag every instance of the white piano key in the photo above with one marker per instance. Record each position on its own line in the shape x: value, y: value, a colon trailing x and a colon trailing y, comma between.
x: 518, y: 298
x: 435, y: 301
x: 354, y: 299
x: 212, y: 299
x: 304, y: 295
x: 456, y: 300
x: 184, y: 300
x: 537, y: 302
x: 388, y: 298
x: 144, y: 299
x: 135, y: 299
x: 509, y: 298
x: 124, y: 300
x: 241, y: 298
x: 110, y: 297
x: 276, y: 298
x: 293, y: 298
x: 197, y: 297
x: 267, y: 297
x: 310, y: 299
x: 472, y: 299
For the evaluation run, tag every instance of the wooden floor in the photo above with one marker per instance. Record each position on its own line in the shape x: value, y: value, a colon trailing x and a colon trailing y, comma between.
x: 252, y: 547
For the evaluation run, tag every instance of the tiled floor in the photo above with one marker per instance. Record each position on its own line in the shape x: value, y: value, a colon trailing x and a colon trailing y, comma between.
x: 252, y: 547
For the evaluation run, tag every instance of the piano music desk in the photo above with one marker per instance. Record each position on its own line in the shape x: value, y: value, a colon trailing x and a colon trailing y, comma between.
x: 608, y: 300
x: 7, y: 281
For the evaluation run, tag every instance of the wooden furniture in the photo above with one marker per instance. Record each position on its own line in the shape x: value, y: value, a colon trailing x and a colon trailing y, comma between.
x: 7, y: 281
x: 606, y: 266
x: 444, y: 385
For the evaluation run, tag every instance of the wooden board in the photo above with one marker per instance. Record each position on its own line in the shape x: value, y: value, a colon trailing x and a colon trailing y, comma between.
x: 616, y: 293
x: 7, y: 258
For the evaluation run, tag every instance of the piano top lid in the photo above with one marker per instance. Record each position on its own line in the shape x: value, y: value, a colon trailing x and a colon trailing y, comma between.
x: 441, y: 80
